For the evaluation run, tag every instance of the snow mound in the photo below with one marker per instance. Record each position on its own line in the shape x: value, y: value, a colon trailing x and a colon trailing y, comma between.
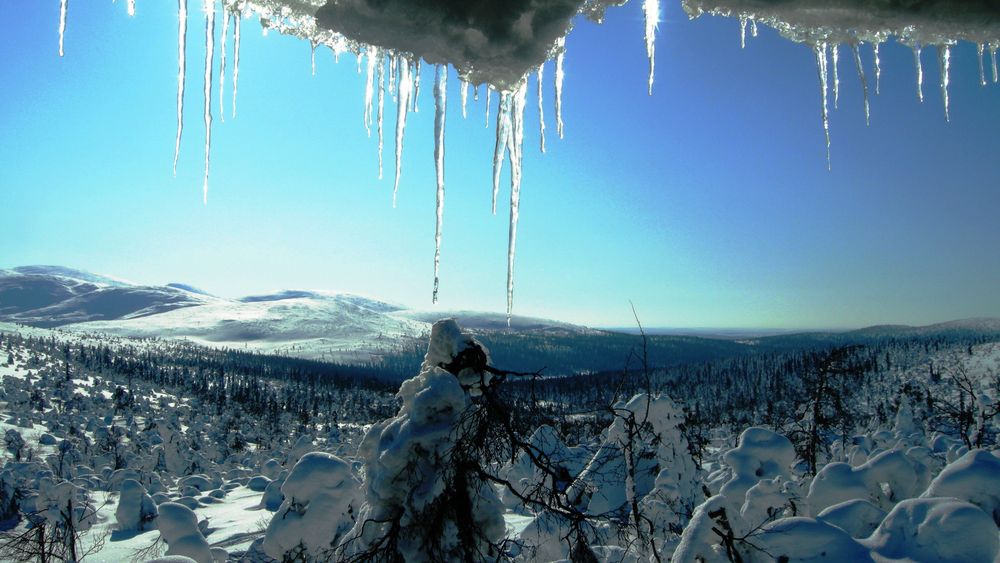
x: 974, y: 478
x: 936, y: 529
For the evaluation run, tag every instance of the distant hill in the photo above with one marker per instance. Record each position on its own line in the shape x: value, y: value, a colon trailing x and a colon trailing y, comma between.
x: 359, y: 330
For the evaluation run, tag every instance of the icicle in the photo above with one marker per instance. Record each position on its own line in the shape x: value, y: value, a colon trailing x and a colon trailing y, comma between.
x: 836, y: 76
x: 312, y: 56
x: 821, y: 67
x: 381, y: 109
x: 222, y: 62
x: 416, y: 88
x: 541, y: 107
x: 475, y: 93
x: 181, y: 64
x: 370, y: 87
x: 236, y: 57
x: 993, y: 57
x: 209, y: 53
x: 489, y: 91
x: 402, y: 107
x: 920, y: 72
x: 878, y: 69
x: 503, y: 136
x: 651, y: 10
x: 561, y: 52
x: 516, y: 143
x: 464, y: 86
x: 392, y: 77
x: 944, y: 59
x: 743, y: 32
x: 980, y: 48
x: 63, y: 7
x: 753, y: 27
x: 131, y: 8
x: 864, y: 81
x: 440, y: 105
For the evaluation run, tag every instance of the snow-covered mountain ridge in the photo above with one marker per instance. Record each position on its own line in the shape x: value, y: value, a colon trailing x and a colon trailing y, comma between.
x: 322, y: 325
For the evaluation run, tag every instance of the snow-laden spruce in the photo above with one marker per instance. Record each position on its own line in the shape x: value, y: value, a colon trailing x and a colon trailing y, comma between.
x: 412, y: 467
x: 321, y: 499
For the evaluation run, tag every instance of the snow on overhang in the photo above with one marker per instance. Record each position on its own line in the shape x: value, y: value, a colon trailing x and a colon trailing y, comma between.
x: 912, y: 22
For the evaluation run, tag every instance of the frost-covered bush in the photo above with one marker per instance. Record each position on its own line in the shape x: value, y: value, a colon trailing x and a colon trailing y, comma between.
x: 321, y: 499
x: 136, y: 509
x: 936, y: 529
x: 974, y: 478
x: 178, y: 526
x: 423, y: 497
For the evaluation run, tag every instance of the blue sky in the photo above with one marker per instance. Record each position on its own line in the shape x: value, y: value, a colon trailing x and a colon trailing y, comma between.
x: 708, y: 204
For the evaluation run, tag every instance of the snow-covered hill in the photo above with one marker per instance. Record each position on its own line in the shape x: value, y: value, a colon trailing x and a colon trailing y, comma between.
x: 316, y: 325
x: 321, y: 325
x: 55, y: 296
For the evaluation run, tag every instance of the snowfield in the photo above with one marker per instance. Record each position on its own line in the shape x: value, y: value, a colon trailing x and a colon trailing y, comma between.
x: 121, y: 453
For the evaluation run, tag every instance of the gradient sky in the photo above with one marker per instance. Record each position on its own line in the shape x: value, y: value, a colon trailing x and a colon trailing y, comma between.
x: 708, y: 204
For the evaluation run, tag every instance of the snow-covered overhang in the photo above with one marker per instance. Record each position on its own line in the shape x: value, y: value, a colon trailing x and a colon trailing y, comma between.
x: 928, y: 22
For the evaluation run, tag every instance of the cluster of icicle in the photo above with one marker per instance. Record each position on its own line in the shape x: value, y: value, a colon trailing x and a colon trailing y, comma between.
x: 395, y: 74
x: 826, y: 44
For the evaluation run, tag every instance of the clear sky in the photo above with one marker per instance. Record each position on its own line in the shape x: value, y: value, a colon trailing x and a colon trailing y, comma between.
x: 708, y: 204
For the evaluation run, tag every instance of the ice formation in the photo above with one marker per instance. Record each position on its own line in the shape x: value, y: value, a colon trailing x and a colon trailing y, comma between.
x: 502, y: 47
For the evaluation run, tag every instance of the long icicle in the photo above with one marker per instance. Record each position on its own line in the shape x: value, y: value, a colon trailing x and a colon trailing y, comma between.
x: 181, y: 68
x: 237, y: 17
x: 440, y: 106
x: 993, y: 58
x: 821, y: 66
x: 980, y: 52
x: 560, y: 55
x: 920, y: 71
x: 222, y: 62
x: 381, y: 109
x: 503, y: 136
x: 516, y: 153
x: 651, y: 12
x: 864, y: 81
x: 541, y: 107
x: 63, y: 8
x: 743, y: 32
x: 370, y: 86
x: 836, y: 76
x: 944, y: 59
x: 464, y: 86
x: 312, y: 57
x: 878, y: 68
x: 489, y: 94
x: 402, y: 108
x: 416, y: 88
x: 209, y: 55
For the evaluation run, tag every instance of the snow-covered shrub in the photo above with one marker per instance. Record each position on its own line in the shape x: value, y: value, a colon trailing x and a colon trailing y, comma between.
x: 857, y: 517
x: 423, y: 498
x: 803, y: 540
x: 644, y: 440
x: 974, y: 478
x: 178, y: 526
x: 321, y: 498
x: 136, y: 509
x: 885, y: 479
x: 936, y: 529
